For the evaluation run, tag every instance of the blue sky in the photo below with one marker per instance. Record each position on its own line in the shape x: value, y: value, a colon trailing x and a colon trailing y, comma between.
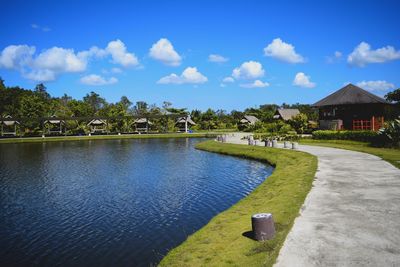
x: 267, y: 51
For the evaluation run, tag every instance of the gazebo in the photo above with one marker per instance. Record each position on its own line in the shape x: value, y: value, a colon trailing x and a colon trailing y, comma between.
x: 142, y: 125
x: 286, y: 113
x: 97, y: 126
x: 9, y: 126
x: 249, y: 120
x: 183, y: 124
x: 352, y: 108
x: 54, y: 125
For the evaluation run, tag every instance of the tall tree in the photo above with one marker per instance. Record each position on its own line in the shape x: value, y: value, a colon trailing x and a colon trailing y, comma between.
x: 393, y: 96
x: 95, y: 101
x: 41, y: 90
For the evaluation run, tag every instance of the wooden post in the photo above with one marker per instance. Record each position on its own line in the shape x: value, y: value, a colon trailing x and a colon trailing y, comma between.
x: 373, y: 123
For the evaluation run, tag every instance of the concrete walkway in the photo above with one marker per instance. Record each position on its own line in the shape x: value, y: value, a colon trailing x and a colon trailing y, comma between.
x: 351, y: 217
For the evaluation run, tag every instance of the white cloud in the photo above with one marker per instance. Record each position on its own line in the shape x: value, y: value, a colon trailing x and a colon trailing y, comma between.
x: 337, y: 56
x: 376, y: 85
x: 50, y: 63
x: 228, y: 80
x: 41, y: 75
x: 16, y: 56
x: 248, y: 70
x: 119, y: 54
x: 283, y: 51
x: 189, y: 75
x: 363, y: 55
x: 217, y: 58
x: 38, y: 27
x: 116, y: 70
x: 59, y: 59
x: 303, y: 80
x: 164, y: 51
x: 94, y: 79
x: 255, y: 84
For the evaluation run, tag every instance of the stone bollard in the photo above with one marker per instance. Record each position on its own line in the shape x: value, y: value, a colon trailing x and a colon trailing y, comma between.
x: 295, y: 145
x: 286, y: 144
x: 119, y: 133
x: 274, y: 143
x: 89, y: 134
x: 43, y: 136
x: 263, y: 226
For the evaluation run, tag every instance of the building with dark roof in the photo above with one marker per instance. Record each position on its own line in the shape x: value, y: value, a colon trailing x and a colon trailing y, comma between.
x: 352, y: 108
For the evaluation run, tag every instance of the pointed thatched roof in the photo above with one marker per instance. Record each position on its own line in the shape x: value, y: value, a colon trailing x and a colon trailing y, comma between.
x: 10, y: 122
x: 249, y: 119
x: 142, y: 120
x: 96, y: 122
x: 183, y: 119
x: 286, y: 113
x: 350, y: 94
x: 55, y: 121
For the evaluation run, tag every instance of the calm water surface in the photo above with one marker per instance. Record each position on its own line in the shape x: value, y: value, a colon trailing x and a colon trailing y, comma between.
x: 112, y: 203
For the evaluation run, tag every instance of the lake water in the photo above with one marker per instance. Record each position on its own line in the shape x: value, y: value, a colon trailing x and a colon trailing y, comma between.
x: 112, y: 203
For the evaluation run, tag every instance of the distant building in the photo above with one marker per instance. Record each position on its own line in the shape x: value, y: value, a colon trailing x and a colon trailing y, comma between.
x: 54, y: 125
x: 97, y: 126
x: 142, y: 125
x: 9, y: 126
x: 249, y: 120
x: 184, y: 123
x: 352, y: 108
x: 286, y: 113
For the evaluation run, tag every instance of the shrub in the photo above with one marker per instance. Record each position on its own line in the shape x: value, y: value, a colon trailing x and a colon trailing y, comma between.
x: 363, y: 136
x: 299, y: 123
x: 389, y: 136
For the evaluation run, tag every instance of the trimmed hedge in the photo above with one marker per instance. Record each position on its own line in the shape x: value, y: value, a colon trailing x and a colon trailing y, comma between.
x: 363, y: 136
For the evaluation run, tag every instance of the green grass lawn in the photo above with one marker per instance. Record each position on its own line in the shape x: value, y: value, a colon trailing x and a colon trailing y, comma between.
x: 221, y: 241
x: 103, y: 137
x: 388, y: 154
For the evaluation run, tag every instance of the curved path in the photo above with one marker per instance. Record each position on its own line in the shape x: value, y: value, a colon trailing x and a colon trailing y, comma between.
x: 351, y: 217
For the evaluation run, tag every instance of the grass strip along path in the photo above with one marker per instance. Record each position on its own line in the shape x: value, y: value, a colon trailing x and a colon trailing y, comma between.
x: 389, y: 154
x: 221, y: 242
x: 104, y: 137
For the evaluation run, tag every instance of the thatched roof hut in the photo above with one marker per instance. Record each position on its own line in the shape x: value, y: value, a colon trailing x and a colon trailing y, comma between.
x: 352, y: 108
x: 249, y: 120
x: 183, y: 124
x: 142, y: 124
x: 9, y: 126
x: 8, y: 121
x: 97, y: 126
x: 286, y: 113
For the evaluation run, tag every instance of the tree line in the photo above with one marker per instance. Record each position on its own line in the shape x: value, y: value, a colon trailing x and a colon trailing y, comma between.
x: 38, y: 103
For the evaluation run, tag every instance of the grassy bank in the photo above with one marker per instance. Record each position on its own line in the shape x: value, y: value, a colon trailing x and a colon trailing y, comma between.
x: 221, y: 242
x: 388, y: 154
x: 103, y: 137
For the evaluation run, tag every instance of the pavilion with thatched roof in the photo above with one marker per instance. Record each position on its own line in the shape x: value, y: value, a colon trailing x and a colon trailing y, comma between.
x: 352, y: 108
x: 183, y: 124
x: 286, y: 113
x: 142, y: 125
x: 54, y: 125
x: 9, y: 126
x: 97, y: 126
